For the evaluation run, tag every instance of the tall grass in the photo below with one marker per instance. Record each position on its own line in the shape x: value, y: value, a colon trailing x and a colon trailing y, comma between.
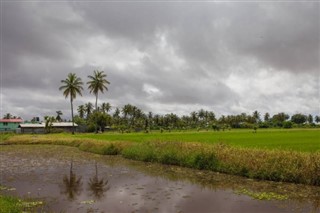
x: 274, y: 165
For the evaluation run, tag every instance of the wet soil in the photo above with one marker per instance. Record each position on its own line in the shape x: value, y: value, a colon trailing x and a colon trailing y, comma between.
x: 69, y: 180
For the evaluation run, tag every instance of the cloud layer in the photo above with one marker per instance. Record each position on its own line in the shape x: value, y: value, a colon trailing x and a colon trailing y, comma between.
x: 163, y: 57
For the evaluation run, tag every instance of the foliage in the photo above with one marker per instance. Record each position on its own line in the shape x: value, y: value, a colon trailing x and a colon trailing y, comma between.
x: 97, y: 83
x: 299, y: 118
x: 71, y: 86
x: 15, y: 205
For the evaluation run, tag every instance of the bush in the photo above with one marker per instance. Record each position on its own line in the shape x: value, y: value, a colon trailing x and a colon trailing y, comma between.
x: 287, y: 124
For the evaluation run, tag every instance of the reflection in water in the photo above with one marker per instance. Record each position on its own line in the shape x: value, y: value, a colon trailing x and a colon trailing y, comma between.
x: 97, y: 186
x: 138, y: 186
x: 72, y: 184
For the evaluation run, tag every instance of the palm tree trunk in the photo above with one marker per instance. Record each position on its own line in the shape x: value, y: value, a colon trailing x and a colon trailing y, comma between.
x: 96, y: 113
x: 97, y: 102
x: 72, y: 114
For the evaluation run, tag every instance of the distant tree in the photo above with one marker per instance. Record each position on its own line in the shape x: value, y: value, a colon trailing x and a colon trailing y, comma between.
x: 58, y: 117
x: 266, y: 117
x: 279, y: 118
x: 287, y: 124
x: 81, y: 111
x: 98, y: 82
x: 105, y: 107
x: 7, y: 116
x: 310, y: 119
x: 48, y: 123
x: 256, y: 116
x: 298, y: 118
x: 99, y: 120
x: 317, y: 119
x: 88, y: 108
x: 72, y: 86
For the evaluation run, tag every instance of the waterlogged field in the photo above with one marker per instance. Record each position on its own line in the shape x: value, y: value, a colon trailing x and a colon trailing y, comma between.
x: 63, y: 179
x: 306, y: 140
x: 276, y: 155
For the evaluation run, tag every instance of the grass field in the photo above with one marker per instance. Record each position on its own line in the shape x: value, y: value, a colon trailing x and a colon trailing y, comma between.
x: 306, y: 140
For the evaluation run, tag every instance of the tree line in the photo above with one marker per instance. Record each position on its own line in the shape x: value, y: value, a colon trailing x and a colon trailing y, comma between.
x: 131, y: 118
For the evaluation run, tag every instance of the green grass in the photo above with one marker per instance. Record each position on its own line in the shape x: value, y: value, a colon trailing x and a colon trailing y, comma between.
x: 9, y: 204
x: 306, y: 140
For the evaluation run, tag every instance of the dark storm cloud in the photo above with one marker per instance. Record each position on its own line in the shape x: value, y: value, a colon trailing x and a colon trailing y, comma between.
x: 178, y: 54
x: 282, y: 35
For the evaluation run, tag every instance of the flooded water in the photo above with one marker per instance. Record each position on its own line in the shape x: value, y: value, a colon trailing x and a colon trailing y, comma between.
x: 69, y: 180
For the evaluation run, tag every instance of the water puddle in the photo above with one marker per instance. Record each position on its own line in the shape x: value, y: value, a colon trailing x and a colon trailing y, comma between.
x: 68, y: 180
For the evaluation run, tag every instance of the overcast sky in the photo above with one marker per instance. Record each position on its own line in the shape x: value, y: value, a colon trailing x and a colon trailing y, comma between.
x: 229, y: 57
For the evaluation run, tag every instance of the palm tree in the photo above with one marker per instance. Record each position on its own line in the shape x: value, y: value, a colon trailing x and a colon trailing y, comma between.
x: 105, y: 107
x: 81, y: 111
x: 58, y: 118
x: 7, y: 116
x: 88, y: 108
x: 72, y: 86
x: 97, y: 83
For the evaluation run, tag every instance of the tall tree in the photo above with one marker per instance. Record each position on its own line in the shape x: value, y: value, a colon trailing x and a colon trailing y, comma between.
x: 256, y: 116
x: 310, y: 119
x: 72, y: 86
x: 105, y: 107
x: 266, y: 117
x: 88, y: 108
x: 81, y: 111
x: 98, y: 82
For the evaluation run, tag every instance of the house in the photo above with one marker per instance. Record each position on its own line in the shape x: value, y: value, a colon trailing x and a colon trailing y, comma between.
x: 40, y: 127
x: 10, y: 125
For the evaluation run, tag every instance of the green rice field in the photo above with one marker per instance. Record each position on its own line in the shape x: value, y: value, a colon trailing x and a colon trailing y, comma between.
x: 305, y: 140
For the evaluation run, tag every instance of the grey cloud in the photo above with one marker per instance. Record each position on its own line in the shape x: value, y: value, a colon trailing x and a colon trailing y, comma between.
x: 212, y: 40
x: 282, y: 35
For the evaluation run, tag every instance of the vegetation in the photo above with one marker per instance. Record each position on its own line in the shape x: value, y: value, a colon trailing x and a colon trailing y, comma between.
x: 275, y: 164
x: 130, y: 118
x: 72, y: 86
x: 97, y: 83
x: 15, y: 205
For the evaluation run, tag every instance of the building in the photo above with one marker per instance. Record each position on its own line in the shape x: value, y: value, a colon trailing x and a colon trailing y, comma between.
x: 10, y: 125
x: 40, y: 127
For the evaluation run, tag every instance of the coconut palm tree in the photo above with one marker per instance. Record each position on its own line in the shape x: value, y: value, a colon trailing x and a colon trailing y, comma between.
x: 72, y: 86
x: 7, y: 116
x: 105, y: 107
x: 88, y: 108
x: 59, y: 113
x: 81, y: 111
x: 98, y: 82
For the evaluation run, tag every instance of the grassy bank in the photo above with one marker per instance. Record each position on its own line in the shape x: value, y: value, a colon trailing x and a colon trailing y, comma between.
x: 10, y: 204
x: 264, y: 164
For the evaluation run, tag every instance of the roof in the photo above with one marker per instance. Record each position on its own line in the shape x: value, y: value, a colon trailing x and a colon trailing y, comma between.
x: 42, y: 125
x: 13, y: 120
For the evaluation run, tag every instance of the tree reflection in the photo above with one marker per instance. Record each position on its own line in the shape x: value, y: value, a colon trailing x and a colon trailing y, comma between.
x: 97, y: 186
x: 72, y: 184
